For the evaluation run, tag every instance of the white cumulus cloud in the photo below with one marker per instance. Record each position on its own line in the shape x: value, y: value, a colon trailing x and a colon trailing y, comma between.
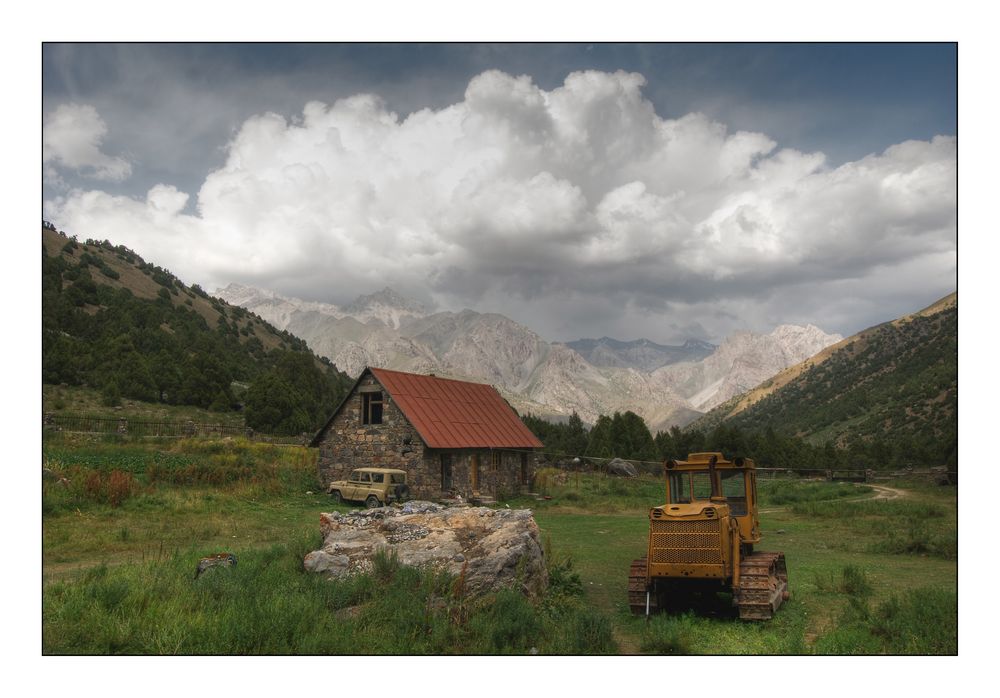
x: 72, y: 136
x: 526, y: 198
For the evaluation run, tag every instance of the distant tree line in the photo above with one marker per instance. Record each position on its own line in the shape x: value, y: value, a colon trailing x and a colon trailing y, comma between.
x: 625, y: 435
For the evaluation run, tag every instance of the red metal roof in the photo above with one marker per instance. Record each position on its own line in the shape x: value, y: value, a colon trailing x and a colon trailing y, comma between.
x: 455, y: 414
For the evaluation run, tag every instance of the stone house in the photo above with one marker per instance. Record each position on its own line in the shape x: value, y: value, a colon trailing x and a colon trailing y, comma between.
x: 451, y: 437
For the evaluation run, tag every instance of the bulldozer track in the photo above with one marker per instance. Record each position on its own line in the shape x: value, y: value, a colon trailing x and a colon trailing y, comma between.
x: 763, y: 585
x: 637, y: 589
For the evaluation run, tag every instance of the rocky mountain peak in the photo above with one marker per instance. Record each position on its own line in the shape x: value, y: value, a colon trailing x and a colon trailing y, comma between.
x: 386, y: 306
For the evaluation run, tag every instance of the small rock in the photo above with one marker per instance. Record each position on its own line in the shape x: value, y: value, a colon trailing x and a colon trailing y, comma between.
x: 622, y: 468
x: 322, y: 561
x: 214, y: 561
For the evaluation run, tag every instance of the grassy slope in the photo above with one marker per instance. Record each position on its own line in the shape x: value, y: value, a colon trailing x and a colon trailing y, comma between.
x: 79, y: 400
x: 142, y: 286
x: 772, y: 385
x: 862, y: 368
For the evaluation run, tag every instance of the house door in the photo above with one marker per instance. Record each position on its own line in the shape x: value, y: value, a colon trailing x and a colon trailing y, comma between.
x: 445, y: 471
x: 474, y: 471
x: 524, y: 468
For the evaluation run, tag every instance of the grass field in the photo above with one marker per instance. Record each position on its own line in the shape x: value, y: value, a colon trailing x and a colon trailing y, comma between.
x: 77, y: 400
x: 124, y: 523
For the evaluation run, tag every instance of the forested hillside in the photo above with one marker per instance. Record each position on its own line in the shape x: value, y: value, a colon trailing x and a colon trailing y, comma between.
x: 112, y: 321
x: 893, y: 387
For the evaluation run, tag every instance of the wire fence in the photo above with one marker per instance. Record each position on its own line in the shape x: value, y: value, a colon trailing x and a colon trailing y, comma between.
x: 644, y: 467
x: 128, y: 426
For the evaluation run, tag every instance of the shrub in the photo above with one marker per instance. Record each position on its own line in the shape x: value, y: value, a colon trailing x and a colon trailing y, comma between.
x: 105, y: 488
x: 915, y: 538
x: 898, y: 625
x: 589, y: 632
x: 855, y: 581
x: 666, y: 635
x: 508, y: 624
x: 385, y: 564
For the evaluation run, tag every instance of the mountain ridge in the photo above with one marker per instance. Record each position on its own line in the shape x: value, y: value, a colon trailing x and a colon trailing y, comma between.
x: 128, y: 328
x: 548, y: 379
x: 895, y: 381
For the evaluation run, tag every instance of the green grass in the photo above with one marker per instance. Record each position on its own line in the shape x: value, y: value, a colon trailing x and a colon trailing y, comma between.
x: 774, y: 492
x: 120, y: 578
x: 267, y: 604
x: 78, y: 400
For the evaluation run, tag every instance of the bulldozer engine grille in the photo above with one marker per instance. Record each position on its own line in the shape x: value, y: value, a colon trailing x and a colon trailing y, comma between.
x: 695, y: 542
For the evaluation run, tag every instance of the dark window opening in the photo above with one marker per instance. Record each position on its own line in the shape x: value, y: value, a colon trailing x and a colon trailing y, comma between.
x: 701, y: 485
x: 371, y: 408
x: 734, y: 489
x: 680, y: 488
x: 446, y: 471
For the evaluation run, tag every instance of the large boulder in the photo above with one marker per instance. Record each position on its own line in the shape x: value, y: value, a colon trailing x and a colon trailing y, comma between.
x: 493, y: 548
x: 622, y: 468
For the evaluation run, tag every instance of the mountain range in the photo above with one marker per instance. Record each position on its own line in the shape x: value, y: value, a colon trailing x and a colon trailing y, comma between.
x: 665, y: 385
x: 641, y: 354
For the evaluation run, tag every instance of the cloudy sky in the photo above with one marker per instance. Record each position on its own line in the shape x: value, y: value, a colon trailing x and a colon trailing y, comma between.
x: 669, y: 191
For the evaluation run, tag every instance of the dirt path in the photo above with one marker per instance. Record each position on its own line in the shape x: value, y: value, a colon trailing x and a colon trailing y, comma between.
x: 884, y: 492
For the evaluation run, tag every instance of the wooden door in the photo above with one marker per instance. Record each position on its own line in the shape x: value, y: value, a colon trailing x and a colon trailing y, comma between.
x: 474, y: 471
x: 445, y: 471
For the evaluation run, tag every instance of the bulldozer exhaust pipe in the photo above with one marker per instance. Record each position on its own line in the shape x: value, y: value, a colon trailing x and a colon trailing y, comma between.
x: 713, y: 476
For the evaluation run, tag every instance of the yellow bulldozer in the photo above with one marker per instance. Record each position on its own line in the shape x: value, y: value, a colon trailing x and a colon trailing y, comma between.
x: 703, y: 537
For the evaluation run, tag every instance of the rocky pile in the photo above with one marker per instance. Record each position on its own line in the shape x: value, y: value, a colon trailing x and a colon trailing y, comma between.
x: 493, y: 548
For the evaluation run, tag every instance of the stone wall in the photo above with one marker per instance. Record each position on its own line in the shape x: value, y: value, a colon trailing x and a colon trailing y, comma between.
x: 349, y: 444
x: 395, y: 443
x: 503, y: 478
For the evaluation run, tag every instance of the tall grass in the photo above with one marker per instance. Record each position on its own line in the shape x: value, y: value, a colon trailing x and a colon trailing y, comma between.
x: 109, y: 473
x: 919, y: 621
x: 268, y: 605
x: 786, y: 491
x: 903, y: 527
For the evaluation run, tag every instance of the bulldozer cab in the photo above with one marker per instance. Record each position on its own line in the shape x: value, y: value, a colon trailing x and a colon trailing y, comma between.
x: 700, y: 479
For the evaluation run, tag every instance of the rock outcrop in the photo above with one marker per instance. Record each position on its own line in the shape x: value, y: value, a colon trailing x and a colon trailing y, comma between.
x: 492, y: 548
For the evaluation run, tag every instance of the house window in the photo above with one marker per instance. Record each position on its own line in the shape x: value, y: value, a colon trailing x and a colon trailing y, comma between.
x: 496, y: 461
x: 371, y: 408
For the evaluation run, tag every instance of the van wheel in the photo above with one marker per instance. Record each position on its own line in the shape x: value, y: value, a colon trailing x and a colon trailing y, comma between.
x: 336, y: 497
x: 372, y: 502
